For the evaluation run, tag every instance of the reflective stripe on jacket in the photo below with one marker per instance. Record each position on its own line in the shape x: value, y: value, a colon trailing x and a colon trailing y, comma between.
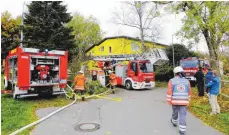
x: 179, y: 91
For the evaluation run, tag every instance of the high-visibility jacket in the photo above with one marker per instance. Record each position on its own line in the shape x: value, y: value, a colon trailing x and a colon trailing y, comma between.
x: 179, y: 91
x: 113, y: 79
x: 79, y: 82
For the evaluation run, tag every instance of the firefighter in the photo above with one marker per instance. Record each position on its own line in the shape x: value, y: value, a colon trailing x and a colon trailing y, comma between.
x: 94, y: 75
x: 113, y: 80
x: 79, y: 82
x: 200, y: 81
x: 178, y: 95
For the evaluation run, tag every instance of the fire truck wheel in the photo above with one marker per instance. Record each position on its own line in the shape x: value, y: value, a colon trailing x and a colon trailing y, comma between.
x: 128, y: 85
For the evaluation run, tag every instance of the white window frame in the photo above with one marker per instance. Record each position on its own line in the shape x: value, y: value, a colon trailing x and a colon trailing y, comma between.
x: 102, y: 49
x: 134, y: 46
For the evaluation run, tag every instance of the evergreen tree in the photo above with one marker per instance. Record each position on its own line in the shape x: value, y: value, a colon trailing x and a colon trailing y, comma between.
x: 45, y: 26
x: 180, y: 51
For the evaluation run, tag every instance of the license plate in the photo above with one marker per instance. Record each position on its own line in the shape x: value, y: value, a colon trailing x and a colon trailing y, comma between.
x: 147, y: 85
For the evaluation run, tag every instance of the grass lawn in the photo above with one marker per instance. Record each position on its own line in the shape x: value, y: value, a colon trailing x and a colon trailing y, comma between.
x: 161, y: 84
x: 19, y: 113
x: 200, y: 107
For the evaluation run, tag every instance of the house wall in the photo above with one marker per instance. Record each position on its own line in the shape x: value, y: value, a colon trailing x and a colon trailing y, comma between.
x: 120, y: 46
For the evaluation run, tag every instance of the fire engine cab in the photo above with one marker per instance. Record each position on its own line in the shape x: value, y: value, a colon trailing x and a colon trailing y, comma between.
x: 31, y: 72
x: 191, y: 66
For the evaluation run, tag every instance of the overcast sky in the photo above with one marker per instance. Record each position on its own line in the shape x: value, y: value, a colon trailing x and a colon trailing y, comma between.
x: 103, y: 10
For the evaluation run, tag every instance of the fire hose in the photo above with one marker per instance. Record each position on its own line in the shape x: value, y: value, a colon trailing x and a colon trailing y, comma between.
x: 62, y: 108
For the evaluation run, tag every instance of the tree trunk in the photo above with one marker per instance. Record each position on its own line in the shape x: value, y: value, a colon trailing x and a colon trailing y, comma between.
x: 140, y: 15
x: 142, y: 40
x: 213, y: 50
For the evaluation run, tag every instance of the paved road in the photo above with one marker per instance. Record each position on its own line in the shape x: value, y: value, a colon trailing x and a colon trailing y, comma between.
x: 140, y: 113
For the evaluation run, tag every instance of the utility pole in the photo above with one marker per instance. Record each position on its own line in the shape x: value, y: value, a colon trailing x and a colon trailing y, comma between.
x: 173, y: 55
x: 22, y: 23
x: 173, y: 48
x: 173, y: 52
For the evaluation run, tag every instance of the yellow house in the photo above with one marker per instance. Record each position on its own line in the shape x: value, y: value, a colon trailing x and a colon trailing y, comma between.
x: 120, y: 45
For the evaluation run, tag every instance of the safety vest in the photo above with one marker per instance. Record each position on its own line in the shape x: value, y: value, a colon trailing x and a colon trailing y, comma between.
x: 180, y: 91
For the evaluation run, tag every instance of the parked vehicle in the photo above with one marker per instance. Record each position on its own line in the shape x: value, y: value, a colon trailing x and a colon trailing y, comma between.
x: 191, y: 66
x: 31, y: 72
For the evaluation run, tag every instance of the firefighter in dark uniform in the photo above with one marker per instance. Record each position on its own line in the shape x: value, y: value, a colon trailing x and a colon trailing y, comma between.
x: 200, y: 81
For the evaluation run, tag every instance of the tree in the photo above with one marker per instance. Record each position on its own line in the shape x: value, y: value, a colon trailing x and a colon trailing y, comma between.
x: 225, y: 60
x: 180, y: 51
x: 87, y: 32
x: 10, y: 29
x: 45, y: 26
x: 165, y: 72
x: 207, y: 19
x: 140, y: 15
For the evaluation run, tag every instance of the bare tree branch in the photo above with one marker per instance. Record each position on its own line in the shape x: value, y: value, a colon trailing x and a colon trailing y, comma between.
x: 141, y: 16
x: 128, y: 25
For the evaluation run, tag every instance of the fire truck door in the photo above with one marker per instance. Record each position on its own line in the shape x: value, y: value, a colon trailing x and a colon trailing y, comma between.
x: 23, y: 70
x: 133, y: 72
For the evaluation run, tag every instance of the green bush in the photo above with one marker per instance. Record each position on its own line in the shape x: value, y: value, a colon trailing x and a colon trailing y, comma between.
x: 94, y: 87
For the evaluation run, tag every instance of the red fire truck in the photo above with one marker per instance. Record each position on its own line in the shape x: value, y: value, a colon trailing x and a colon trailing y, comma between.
x: 191, y: 66
x: 137, y: 74
x: 31, y: 72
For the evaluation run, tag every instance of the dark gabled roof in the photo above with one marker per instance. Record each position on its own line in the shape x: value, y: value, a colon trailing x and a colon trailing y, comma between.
x: 126, y: 37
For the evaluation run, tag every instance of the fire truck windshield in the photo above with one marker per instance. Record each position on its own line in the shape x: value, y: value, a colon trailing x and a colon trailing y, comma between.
x: 189, y: 63
x: 146, y: 67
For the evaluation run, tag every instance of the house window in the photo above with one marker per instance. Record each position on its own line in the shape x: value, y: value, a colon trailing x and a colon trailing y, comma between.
x: 134, y: 47
x: 109, y: 49
x: 102, y: 49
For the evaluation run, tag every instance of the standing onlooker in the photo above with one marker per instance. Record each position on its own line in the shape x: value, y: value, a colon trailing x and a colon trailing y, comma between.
x: 178, y: 95
x: 208, y: 78
x: 200, y: 81
x: 214, y: 92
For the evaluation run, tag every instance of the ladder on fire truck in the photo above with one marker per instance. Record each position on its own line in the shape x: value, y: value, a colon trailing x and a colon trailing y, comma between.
x: 156, y: 57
